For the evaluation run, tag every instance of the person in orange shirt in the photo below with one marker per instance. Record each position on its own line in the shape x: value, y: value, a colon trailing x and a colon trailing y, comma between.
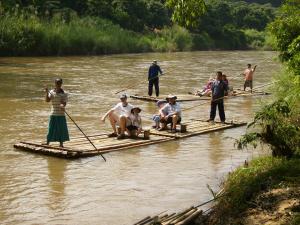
x: 248, y: 73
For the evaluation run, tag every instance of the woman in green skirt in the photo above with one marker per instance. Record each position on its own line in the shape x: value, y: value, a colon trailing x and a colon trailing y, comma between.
x: 57, y: 130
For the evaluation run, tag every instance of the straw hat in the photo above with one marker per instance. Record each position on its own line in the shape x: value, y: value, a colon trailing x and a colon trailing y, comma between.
x: 136, y: 107
x: 171, y: 96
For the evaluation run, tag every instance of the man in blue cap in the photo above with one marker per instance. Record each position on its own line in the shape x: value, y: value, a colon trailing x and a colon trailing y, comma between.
x: 154, y: 69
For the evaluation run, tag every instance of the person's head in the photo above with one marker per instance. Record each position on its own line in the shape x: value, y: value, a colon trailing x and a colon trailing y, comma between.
x: 224, y: 77
x: 249, y: 65
x: 123, y: 98
x: 154, y: 62
x: 161, y: 103
x: 135, y: 110
x: 171, y: 99
x: 58, y: 82
x: 219, y: 75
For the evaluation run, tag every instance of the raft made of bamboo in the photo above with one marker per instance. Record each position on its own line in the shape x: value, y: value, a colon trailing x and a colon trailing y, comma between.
x: 180, y: 98
x: 81, y: 147
x: 192, y: 97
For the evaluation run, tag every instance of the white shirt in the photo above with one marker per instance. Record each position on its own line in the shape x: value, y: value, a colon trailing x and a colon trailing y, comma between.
x: 136, y: 120
x: 123, y: 110
x: 172, y: 109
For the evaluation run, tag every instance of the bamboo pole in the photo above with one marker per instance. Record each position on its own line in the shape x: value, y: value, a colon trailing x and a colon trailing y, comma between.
x: 190, y: 217
x: 135, y: 84
x: 83, y: 133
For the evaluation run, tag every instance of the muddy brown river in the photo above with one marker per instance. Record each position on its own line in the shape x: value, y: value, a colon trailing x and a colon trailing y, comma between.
x: 132, y: 184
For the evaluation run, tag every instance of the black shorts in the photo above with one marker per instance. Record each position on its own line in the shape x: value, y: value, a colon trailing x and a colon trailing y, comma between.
x: 248, y: 83
x: 169, y: 120
x: 131, y: 128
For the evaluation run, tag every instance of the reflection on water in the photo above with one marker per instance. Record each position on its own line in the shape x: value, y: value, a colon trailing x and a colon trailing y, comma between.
x: 56, y: 173
x: 131, y: 184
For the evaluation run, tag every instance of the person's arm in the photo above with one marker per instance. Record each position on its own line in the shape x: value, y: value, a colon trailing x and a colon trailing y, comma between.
x: 106, y: 114
x: 254, y: 68
x: 159, y: 70
x: 47, y: 98
x: 139, y: 127
x: 149, y: 73
x: 163, y: 111
x: 63, y: 102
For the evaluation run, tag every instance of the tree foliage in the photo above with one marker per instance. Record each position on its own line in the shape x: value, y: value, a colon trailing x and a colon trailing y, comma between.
x: 186, y: 12
x: 286, y: 29
x: 279, y: 122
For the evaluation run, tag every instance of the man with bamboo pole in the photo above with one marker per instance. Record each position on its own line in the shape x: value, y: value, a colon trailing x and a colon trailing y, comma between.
x: 218, y: 90
x: 248, y: 73
x: 154, y: 69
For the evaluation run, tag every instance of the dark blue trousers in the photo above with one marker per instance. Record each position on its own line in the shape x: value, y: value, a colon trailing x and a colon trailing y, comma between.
x: 150, y: 87
x: 213, y: 110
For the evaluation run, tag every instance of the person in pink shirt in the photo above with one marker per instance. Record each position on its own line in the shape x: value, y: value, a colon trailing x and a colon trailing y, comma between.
x: 248, y: 73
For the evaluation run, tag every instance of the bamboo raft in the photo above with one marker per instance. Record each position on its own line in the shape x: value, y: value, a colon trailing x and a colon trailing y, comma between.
x: 180, y: 98
x: 191, y: 97
x: 79, y: 147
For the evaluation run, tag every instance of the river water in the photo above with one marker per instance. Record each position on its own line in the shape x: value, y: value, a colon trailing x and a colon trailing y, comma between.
x: 132, y: 184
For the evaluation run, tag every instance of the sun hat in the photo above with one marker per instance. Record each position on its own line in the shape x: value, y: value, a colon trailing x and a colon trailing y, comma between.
x: 171, y: 96
x: 136, y: 107
x: 123, y: 96
x: 159, y: 102
x: 154, y: 62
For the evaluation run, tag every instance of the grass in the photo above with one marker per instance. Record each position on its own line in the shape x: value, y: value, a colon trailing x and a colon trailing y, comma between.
x: 24, y: 35
x: 245, y: 183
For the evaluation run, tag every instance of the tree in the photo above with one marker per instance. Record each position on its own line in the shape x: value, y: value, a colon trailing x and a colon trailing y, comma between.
x: 186, y: 12
x: 286, y: 30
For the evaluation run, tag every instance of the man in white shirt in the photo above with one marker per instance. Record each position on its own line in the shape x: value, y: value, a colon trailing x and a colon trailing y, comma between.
x: 172, y: 114
x: 119, y: 115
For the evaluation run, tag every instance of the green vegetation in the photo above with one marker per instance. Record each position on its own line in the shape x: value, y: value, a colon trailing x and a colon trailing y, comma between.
x: 279, y: 122
x: 55, y: 27
x: 24, y: 35
x: 244, y: 184
x: 276, y: 124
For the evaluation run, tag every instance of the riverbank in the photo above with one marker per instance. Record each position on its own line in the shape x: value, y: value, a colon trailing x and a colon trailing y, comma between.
x: 28, y: 35
x: 265, y: 191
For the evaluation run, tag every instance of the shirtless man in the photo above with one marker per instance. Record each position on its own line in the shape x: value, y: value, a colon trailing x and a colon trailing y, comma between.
x: 248, y: 73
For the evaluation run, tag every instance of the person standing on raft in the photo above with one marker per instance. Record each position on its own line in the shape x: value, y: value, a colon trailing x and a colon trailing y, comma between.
x: 218, y: 90
x: 248, y: 73
x: 57, y: 130
x: 154, y: 69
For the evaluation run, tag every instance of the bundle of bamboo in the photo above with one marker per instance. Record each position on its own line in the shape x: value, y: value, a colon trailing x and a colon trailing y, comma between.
x: 181, y: 218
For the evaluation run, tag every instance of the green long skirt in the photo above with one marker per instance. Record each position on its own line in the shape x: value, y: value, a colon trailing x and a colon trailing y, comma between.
x: 57, y: 130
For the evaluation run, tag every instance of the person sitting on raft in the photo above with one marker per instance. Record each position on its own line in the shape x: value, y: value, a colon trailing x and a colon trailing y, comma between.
x: 156, y: 118
x: 119, y: 115
x: 135, y: 128
x: 206, y: 91
x: 58, y: 130
x: 171, y: 114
